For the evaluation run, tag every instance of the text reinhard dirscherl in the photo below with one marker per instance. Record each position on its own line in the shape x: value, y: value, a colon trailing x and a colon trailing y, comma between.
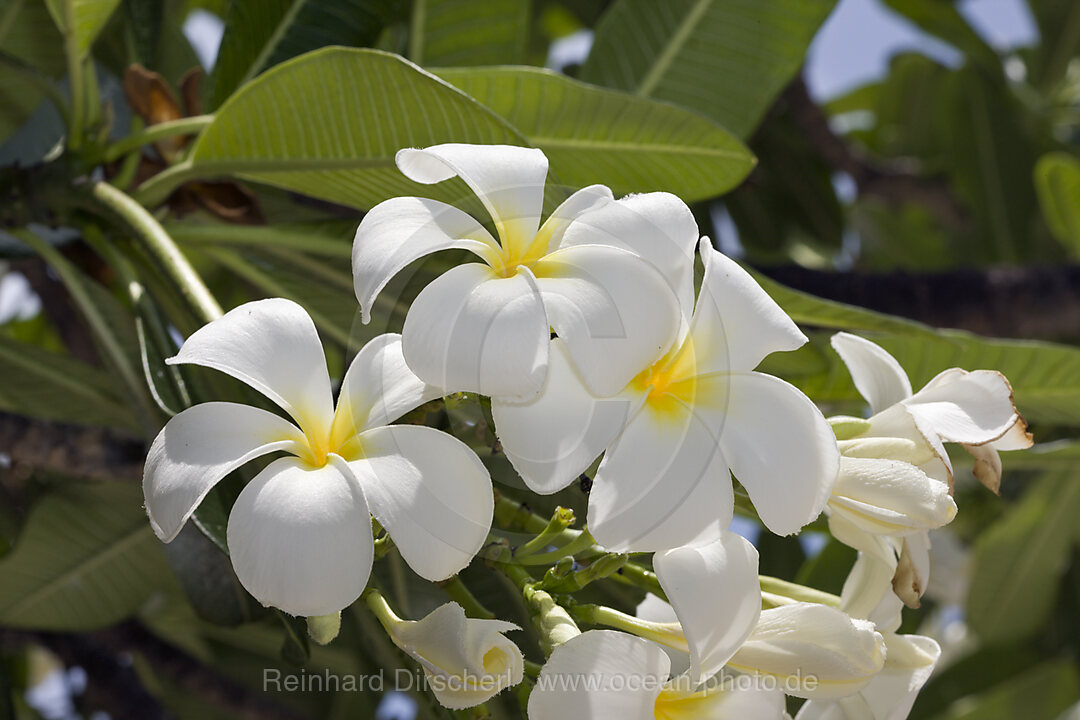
x: 403, y: 680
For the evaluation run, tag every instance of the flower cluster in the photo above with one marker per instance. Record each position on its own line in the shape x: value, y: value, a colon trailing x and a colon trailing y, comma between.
x: 584, y: 331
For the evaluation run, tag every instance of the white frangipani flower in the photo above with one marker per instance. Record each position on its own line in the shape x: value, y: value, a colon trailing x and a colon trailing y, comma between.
x: 609, y: 675
x: 677, y: 430
x: 466, y: 660
x: 484, y: 327
x: 299, y: 534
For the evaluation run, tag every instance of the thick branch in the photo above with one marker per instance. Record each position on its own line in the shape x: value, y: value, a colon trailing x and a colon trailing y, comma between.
x: 87, y: 452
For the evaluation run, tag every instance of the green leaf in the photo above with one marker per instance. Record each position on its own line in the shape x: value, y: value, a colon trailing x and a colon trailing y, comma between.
x: 1057, y: 182
x: 1020, y: 559
x: 43, y: 384
x: 262, y: 33
x: 1059, y: 35
x: 27, y: 35
x: 328, y: 124
x: 944, y: 20
x: 595, y: 135
x: 86, y: 558
x: 727, y: 59
x: 466, y: 32
x: 84, y: 18
x: 1040, y: 693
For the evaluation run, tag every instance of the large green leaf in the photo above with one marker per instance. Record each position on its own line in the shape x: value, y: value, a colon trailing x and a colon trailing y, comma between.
x: 262, y: 33
x: 1057, y: 181
x: 328, y: 124
x: 1037, y: 693
x: 86, y: 558
x: 1020, y: 559
x: 594, y: 135
x: 466, y: 32
x: 944, y: 20
x: 47, y: 385
x: 1059, y: 35
x: 727, y: 59
x: 84, y: 18
x: 28, y: 36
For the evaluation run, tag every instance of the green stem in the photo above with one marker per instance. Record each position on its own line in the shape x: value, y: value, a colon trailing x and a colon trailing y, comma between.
x: 667, y: 634
x: 75, y: 77
x: 382, y: 610
x: 461, y: 594
x: 183, y: 126
x: 561, y: 519
x: 259, y: 236
x: 794, y: 591
x: 160, y: 246
x: 157, y: 189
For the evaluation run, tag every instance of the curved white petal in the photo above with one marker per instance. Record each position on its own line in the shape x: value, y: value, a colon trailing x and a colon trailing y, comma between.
x: 300, y: 538
x: 897, y: 421
x: 736, y: 324
x: 271, y: 345
x: 714, y: 590
x: 890, y: 497
x: 868, y: 594
x: 972, y: 408
x: 612, y: 309
x: 663, y: 484
x: 396, y: 232
x: 721, y: 703
x: 550, y: 236
x: 509, y: 181
x: 656, y: 610
x: 466, y: 660
x: 600, y: 675
x: 801, y: 641
x: 777, y: 443
x: 1017, y: 437
x: 378, y: 389
x: 470, y: 330
x: 430, y: 492
x: 553, y: 439
x: 877, y: 375
x: 657, y: 226
x: 200, y: 446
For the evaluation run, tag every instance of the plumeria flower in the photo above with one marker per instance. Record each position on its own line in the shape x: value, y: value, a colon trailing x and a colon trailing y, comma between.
x: 484, y: 327
x: 674, y: 433
x: 299, y: 534
x: 610, y: 675
x: 466, y: 661
x: 975, y: 409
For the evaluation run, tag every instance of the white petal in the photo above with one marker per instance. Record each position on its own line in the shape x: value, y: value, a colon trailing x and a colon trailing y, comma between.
x: 721, y: 703
x: 553, y: 439
x: 397, y: 232
x: 890, y: 497
x: 714, y: 590
x: 968, y: 407
x: 883, y: 548
x: 378, y: 389
x: 658, y: 227
x: 778, y: 444
x: 612, y: 309
x: 806, y: 640
x: 509, y: 181
x: 197, y: 448
x: 910, y: 662
x: 897, y: 421
x: 600, y: 675
x: 430, y: 492
x: 868, y: 593
x: 877, y: 375
x: 736, y: 324
x: 662, y: 485
x: 581, y: 201
x: 1017, y: 437
x: 470, y: 330
x: 271, y: 345
x: 654, y: 609
x: 466, y: 660
x: 300, y: 538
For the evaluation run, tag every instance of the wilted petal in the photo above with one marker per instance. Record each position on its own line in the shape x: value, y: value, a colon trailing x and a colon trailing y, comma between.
x: 553, y: 439
x: 509, y: 181
x: 471, y: 330
x: 612, y: 309
x: 662, y: 485
x: 795, y: 643
x: 972, y: 408
x: 657, y: 227
x: 397, y: 232
x: 300, y: 538
x: 430, y: 492
x: 890, y: 497
x: 271, y: 345
x: 777, y: 442
x: 877, y: 375
x: 378, y: 389
x: 913, y: 569
x: 736, y: 324
x: 466, y: 660
x: 600, y: 675
x: 200, y: 446
x: 714, y: 590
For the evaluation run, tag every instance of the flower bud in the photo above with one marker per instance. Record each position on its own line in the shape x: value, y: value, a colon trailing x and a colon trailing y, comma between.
x: 890, y: 497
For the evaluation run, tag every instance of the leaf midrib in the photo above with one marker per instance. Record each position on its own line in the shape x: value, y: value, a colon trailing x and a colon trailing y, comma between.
x: 667, y: 55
